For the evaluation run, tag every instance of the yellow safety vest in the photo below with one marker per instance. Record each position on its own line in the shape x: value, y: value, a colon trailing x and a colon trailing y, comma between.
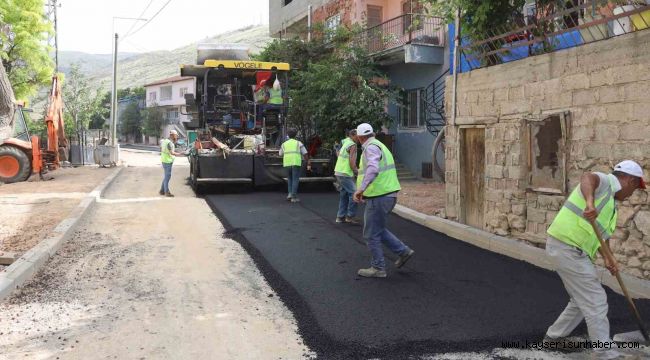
x: 570, y: 227
x: 275, y: 97
x: 166, y: 156
x: 343, y: 167
x: 291, y: 155
x: 386, y: 181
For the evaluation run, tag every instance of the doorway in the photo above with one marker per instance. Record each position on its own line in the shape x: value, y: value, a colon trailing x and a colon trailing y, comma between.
x: 472, y: 167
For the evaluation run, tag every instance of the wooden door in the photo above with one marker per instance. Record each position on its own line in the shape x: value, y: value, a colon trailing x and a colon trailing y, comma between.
x: 472, y: 191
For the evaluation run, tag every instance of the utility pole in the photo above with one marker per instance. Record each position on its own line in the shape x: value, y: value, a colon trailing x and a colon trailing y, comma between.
x: 114, y: 96
x: 53, y: 12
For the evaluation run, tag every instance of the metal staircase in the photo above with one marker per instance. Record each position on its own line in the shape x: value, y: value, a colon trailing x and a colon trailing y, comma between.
x: 434, y: 102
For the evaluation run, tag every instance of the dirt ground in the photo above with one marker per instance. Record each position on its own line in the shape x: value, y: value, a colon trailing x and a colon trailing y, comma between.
x: 426, y: 197
x: 147, y: 277
x: 30, y: 210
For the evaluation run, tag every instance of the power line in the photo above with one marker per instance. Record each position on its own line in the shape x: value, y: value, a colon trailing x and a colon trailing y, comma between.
x: 153, y: 17
x: 141, y: 14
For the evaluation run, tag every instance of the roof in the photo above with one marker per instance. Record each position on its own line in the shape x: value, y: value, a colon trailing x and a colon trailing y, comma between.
x: 172, y: 79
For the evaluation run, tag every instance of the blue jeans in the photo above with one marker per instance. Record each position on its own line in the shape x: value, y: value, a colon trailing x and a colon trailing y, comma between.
x: 375, y: 232
x: 167, y: 168
x: 293, y: 179
x: 347, y: 207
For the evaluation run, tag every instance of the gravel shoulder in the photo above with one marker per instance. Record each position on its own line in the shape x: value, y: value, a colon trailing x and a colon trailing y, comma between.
x: 149, y: 278
x: 426, y: 197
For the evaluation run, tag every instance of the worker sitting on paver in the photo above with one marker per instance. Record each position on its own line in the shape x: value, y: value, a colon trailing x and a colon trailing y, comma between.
x: 167, y: 155
x: 572, y: 245
x: 378, y: 185
x: 292, y: 152
x: 345, y: 171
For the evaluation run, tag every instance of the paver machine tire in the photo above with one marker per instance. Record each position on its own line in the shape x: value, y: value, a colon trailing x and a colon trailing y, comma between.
x: 15, y: 164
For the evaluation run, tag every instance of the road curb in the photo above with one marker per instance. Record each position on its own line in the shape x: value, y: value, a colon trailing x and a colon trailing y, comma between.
x: 30, y: 262
x: 513, y: 248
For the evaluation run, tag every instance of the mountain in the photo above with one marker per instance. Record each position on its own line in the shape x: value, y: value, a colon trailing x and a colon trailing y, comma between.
x: 142, y: 68
x: 87, y: 62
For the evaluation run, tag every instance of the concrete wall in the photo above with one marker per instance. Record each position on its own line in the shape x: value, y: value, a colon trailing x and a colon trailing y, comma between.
x: 412, y: 146
x: 605, y: 88
x: 280, y: 15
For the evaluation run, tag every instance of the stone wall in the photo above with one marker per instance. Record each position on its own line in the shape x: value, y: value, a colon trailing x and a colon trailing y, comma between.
x: 604, y: 87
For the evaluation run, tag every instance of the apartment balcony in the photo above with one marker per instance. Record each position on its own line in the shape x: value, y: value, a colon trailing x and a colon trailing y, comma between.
x: 409, y: 38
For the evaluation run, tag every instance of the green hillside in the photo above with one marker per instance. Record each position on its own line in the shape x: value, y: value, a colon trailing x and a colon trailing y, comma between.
x: 137, y: 70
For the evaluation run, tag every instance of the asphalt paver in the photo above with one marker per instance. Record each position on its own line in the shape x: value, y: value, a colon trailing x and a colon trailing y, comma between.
x: 450, y: 297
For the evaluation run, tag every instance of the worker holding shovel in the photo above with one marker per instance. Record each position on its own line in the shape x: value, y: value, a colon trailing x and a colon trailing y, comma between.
x: 572, y: 245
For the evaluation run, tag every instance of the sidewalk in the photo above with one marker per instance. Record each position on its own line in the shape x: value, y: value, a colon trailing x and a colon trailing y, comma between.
x: 148, y: 277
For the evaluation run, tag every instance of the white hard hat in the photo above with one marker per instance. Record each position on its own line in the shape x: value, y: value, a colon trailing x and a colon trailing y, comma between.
x: 631, y: 168
x: 173, y: 132
x: 364, y: 129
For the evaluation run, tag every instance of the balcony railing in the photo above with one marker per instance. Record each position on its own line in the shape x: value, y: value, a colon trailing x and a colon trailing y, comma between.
x: 405, y: 29
x: 565, y: 28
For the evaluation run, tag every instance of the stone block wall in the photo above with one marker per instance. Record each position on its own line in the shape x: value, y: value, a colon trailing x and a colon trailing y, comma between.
x: 604, y: 87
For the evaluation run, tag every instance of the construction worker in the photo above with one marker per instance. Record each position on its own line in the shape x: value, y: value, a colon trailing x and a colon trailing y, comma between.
x: 293, y: 152
x: 378, y: 185
x: 345, y: 171
x: 572, y: 245
x: 167, y: 155
x: 274, y: 94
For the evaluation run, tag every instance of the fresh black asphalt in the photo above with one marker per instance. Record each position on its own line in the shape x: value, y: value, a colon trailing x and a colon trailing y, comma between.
x: 450, y: 297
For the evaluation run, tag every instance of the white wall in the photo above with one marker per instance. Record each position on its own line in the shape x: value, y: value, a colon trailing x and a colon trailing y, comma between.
x: 176, y: 98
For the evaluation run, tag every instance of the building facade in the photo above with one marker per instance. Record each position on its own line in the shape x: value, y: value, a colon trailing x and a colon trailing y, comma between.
x: 410, y: 48
x: 169, y: 95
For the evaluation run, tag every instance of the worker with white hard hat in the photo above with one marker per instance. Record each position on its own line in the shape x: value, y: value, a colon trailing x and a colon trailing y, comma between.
x: 378, y: 185
x: 167, y: 155
x: 572, y: 245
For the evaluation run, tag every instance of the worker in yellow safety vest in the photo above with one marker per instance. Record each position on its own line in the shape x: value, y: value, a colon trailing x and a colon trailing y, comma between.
x: 293, y: 152
x: 345, y: 172
x: 571, y: 246
x: 377, y: 184
x: 167, y: 155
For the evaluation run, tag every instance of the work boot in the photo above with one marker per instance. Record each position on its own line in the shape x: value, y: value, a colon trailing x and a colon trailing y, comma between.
x: 404, y: 258
x: 169, y: 195
x: 351, y: 220
x: 161, y: 192
x: 340, y: 220
x: 372, y: 272
x: 295, y: 200
x: 289, y: 197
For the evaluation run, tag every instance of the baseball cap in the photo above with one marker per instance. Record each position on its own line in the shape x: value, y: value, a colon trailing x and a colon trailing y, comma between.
x: 631, y: 168
x: 364, y: 129
x: 173, y: 132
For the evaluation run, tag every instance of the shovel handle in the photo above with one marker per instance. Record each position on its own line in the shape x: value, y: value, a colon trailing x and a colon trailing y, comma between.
x: 635, y: 311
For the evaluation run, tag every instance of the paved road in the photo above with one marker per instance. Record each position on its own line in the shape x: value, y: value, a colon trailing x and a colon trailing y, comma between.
x: 450, y: 297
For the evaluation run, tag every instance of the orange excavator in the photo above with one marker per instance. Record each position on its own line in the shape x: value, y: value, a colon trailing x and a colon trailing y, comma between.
x: 23, y: 155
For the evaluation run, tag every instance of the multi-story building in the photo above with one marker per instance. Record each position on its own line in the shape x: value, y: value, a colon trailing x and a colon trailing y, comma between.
x: 169, y: 95
x: 410, y: 48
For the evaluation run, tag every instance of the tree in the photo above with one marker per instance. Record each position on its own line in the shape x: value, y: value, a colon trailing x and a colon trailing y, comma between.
x: 78, y: 97
x: 334, y: 87
x: 24, y: 29
x: 153, y: 121
x: 131, y: 120
x: 7, y: 106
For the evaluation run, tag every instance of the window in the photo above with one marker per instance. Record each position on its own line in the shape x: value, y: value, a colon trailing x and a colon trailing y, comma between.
x: 375, y: 15
x: 411, y: 114
x: 152, y: 96
x: 547, y: 148
x: 166, y: 92
x: 333, y: 22
x: 172, y: 115
x: 182, y: 91
x: 286, y: 2
x: 412, y: 7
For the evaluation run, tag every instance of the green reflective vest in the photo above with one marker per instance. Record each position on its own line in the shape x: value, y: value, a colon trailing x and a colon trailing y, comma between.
x: 291, y: 155
x: 275, y: 97
x: 343, y: 167
x: 166, y: 156
x: 386, y: 181
x: 570, y: 227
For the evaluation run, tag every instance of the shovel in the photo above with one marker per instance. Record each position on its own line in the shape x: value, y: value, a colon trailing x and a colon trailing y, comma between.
x: 632, y: 335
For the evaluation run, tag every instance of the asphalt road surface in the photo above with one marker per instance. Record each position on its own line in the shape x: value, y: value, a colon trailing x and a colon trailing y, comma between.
x: 450, y: 297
